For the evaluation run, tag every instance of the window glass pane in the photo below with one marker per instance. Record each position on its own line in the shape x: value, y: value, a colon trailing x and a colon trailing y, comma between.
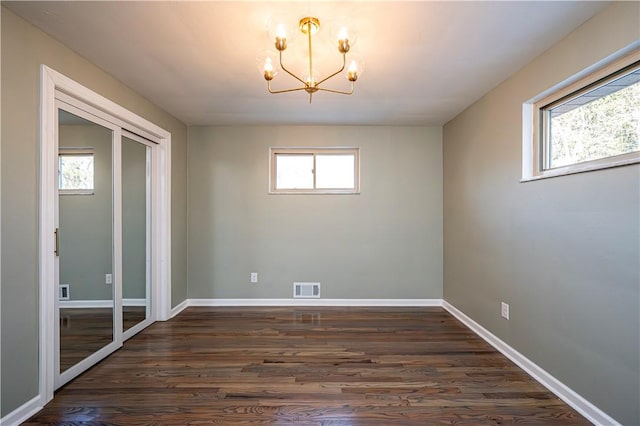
x: 294, y: 171
x: 76, y: 172
x: 335, y: 171
x: 597, y: 124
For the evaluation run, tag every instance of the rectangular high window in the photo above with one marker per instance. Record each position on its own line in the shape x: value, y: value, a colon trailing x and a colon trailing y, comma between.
x: 314, y: 171
x: 75, y: 171
x: 592, y: 123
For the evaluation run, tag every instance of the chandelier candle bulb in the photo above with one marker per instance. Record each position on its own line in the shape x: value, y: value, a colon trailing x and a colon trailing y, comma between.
x: 281, y: 43
x: 281, y: 32
x: 268, y: 74
x: 343, y: 41
x: 352, y: 73
x: 344, y: 32
x: 265, y: 64
x: 343, y: 45
x: 356, y: 68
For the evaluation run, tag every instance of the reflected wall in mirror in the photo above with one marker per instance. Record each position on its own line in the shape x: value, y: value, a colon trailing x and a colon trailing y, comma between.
x: 136, y: 225
x: 85, y: 208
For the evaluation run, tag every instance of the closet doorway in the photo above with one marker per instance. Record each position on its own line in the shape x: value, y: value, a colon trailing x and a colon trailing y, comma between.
x: 104, y: 228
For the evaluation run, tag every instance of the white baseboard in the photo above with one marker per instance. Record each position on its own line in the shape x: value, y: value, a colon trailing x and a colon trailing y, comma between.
x: 71, y: 304
x: 315, y: 302
x: 562, y: 391
x: 79, y: 304
x: 178, y: 308
x: 23, y: 412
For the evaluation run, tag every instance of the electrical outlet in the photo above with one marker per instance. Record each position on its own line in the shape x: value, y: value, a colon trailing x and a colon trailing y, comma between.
x: 254, y: 277
x: 504, y: 311
x: 108, y: 279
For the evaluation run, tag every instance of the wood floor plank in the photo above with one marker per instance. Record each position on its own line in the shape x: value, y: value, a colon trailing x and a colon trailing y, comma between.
x: 306, y: 366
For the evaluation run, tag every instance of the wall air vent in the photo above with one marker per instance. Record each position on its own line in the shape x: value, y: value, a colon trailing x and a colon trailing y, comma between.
x: 63, y: 292
x: 306, y: 290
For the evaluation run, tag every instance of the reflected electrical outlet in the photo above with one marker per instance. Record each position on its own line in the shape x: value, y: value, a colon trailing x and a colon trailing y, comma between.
x: 65, y: 322
x: 504, y: 310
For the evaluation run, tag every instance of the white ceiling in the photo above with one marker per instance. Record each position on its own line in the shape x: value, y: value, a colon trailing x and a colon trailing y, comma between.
x: 425, y: 61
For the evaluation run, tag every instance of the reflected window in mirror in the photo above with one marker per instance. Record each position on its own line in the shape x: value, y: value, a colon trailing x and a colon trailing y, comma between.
x: 75, y: 171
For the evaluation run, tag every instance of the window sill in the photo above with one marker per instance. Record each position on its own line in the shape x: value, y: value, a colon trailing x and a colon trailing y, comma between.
x: 585, y: 167
x: 75, y: 192
x: 317, y: 192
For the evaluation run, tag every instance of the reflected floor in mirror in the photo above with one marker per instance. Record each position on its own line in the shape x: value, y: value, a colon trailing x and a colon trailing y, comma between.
x: 132, y: 315
x: 83, y: 331
x: 306, y: 366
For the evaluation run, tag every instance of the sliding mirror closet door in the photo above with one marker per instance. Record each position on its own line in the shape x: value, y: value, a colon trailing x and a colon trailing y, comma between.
x: 136, y: 233
x: 86, y: 265
x: 103, y: 228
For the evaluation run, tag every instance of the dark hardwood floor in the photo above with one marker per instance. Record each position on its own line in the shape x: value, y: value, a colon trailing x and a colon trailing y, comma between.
x: 306, y: 366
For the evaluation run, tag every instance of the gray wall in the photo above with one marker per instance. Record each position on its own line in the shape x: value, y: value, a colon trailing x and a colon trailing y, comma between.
x: 384, y: 243
x: 86, y: 231
x: 563, y: 252
x: 24, y: 48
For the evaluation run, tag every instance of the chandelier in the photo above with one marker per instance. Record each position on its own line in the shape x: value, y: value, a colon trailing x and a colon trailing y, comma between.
x: 310, y: 26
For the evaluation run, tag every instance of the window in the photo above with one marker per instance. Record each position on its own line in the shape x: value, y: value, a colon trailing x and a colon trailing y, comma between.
x: 314, y: 171
x: 75, y: 171
x: 591, y: 124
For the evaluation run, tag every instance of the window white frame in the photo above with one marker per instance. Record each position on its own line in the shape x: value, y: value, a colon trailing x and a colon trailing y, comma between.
x: 85, y: 152
x: 275, y: 151
x: 534, y: 140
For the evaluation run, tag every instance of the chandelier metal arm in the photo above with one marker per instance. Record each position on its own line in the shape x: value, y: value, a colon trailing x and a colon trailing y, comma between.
x: 342, y: 92
x: 290, y: 73
x: 316, y: 85
x: 282, y: 91
x: 344, y: 63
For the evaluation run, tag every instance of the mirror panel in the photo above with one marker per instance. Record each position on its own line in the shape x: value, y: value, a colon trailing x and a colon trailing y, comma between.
x: 136, y: 226
x: 86, y: 264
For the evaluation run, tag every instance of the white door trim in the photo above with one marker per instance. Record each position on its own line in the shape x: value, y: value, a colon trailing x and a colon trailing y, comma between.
x: 50, y: 82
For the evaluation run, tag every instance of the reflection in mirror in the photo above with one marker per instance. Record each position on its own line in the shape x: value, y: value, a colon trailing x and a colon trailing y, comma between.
x: 136, y: 244
x: 85, y: 205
